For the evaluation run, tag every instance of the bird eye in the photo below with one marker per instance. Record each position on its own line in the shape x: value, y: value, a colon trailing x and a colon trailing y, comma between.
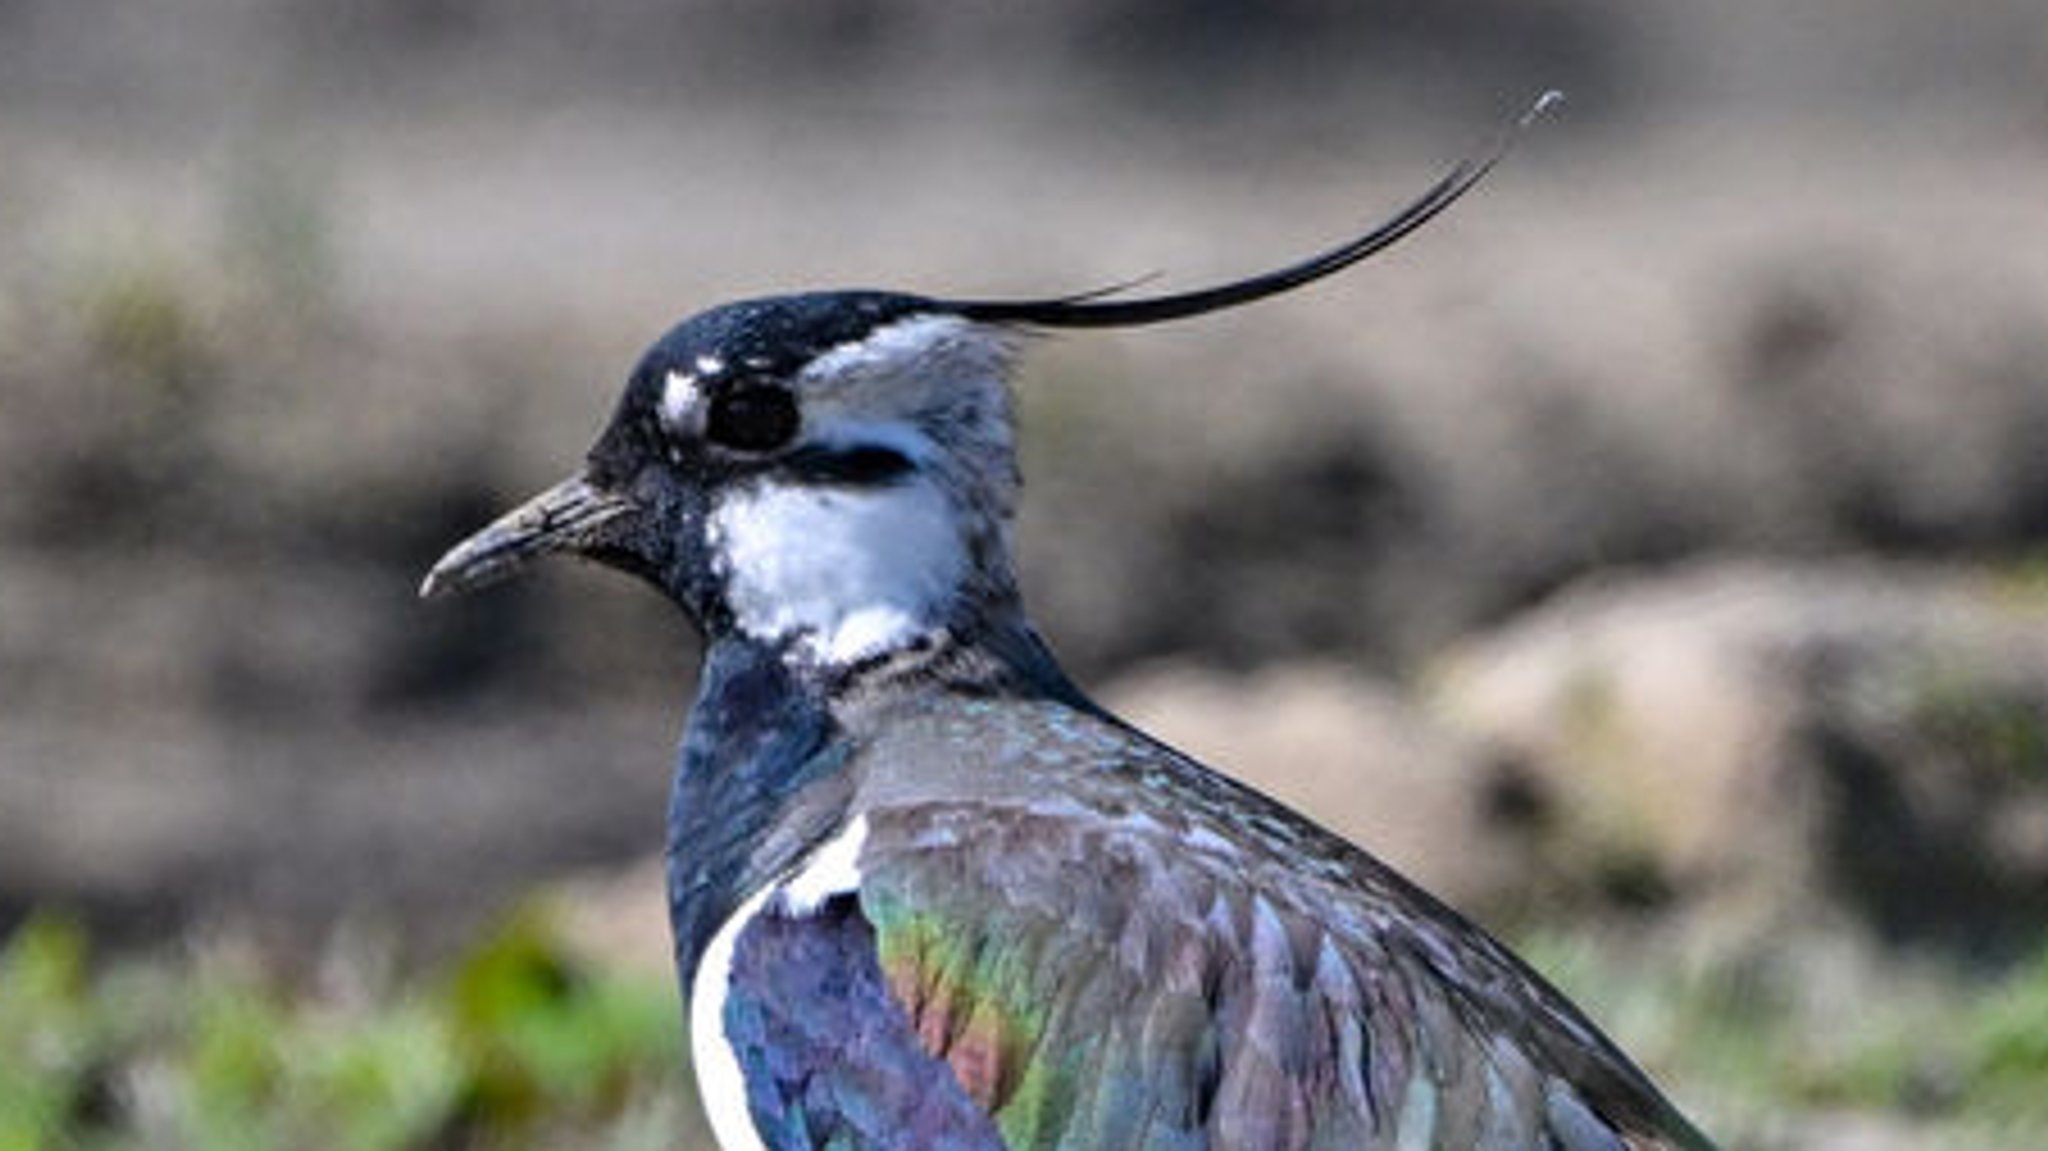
x: 755, y: 419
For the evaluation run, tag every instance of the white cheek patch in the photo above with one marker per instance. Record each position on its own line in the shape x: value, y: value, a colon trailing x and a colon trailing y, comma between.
x: 847, y: 573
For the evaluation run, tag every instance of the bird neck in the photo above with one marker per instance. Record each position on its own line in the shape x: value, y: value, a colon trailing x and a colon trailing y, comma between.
x: 758, y: 747
x: 765, y: 771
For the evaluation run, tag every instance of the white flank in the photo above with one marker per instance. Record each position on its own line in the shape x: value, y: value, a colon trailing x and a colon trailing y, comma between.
x: 849, y: 574
x: 720, y: 1082
x: 833, y: 869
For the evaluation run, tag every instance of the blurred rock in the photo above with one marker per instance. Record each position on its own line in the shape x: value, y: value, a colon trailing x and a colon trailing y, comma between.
x: 1786, y: 743
x: 142, y: 826
x: 1405, y: 479
x: 1350, y: 751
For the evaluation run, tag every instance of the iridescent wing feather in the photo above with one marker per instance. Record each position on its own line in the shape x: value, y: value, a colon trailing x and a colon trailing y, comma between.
x: 1070, y: 974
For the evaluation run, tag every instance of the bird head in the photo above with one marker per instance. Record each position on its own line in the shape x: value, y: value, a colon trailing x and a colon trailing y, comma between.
x: 833, y: 473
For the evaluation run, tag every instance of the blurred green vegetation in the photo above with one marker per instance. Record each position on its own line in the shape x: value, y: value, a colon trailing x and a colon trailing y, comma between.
x: 1764, y: 1050
x: 515, y: 1044
x: 522, y: 1041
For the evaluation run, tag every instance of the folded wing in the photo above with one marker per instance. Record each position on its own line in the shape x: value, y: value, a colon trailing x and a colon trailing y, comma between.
x: 1060, y: 977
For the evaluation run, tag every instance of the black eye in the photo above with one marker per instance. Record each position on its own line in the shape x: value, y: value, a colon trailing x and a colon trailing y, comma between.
x: 755, y: 419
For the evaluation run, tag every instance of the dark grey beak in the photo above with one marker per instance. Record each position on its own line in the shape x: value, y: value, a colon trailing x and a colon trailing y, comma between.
x: 574, y: 516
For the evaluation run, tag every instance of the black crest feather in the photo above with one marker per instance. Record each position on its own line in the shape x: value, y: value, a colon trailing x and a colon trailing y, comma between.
x: 1091, y: 310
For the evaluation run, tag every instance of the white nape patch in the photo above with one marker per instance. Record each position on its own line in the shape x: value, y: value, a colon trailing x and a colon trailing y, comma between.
x: 833, y: 869
x: 910, y: 370
x: 679, y: 396
x: 846, y: 573
x: 709, y: 365
x: 891, y: 346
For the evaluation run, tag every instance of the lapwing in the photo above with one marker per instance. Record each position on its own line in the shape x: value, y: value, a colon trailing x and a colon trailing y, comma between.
x: 926, y: 893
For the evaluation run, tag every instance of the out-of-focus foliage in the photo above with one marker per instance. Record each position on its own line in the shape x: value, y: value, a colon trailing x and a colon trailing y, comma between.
x: 1774, y: 1053
x: 523, y: 1042
x: 518, y: 1045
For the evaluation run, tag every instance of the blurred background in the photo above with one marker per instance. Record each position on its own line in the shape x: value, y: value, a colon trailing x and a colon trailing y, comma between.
x: 1651, y: 557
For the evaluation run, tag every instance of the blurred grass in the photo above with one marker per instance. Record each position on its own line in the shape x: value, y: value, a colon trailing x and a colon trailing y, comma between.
x: 1767, y: 1051
x: 516, y: 1044
x: 522, y: 1042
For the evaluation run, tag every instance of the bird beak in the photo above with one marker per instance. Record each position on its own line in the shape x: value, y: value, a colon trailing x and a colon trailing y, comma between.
x: 573, y: 516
